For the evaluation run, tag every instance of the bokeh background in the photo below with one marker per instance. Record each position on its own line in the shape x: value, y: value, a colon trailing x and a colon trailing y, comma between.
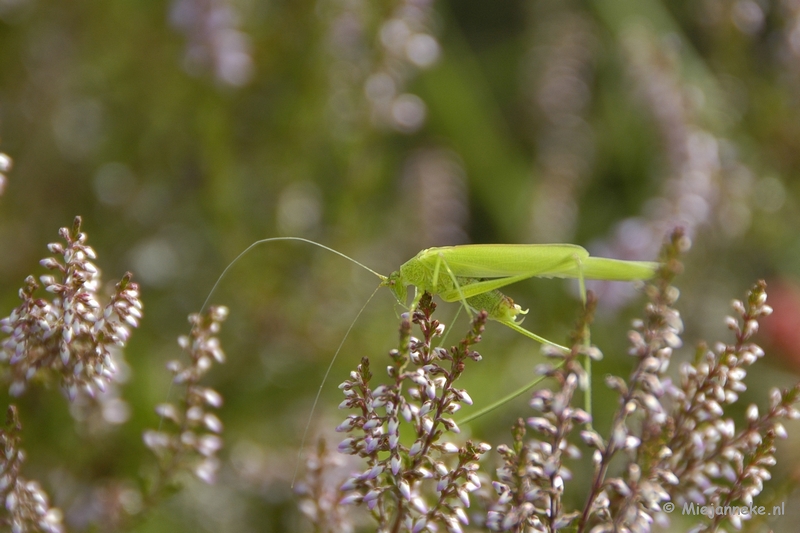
x: 181, y: 131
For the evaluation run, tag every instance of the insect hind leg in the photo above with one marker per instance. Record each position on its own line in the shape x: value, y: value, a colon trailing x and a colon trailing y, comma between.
x: 587, y: 362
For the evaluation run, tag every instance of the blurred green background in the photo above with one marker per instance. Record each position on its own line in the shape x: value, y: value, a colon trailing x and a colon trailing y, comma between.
x: 181, y: 131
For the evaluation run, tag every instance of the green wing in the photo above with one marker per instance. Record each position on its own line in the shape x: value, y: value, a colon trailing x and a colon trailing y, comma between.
x: 505, y: 260
x: 533, y: 260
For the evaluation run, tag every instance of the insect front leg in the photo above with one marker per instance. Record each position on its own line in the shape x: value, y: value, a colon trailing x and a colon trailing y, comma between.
x: 456, y: 282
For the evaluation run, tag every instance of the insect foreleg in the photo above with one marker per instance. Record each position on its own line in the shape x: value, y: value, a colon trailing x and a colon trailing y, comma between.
x: 457, y: 293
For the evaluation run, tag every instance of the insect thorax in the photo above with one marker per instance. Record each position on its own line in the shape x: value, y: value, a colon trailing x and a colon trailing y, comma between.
x: 420, y: 274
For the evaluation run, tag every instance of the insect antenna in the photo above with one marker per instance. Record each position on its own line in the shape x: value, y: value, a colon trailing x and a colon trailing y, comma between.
x: 273, y: 239
x: 321, y: 385
x: 236, y: 260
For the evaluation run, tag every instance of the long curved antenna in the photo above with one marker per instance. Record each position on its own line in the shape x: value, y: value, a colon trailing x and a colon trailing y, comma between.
x: 272, y: 239
x: 242, y: 254
x: 324, y: 380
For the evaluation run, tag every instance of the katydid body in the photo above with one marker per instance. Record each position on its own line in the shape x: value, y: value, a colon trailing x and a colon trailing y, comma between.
x: 473, y: 274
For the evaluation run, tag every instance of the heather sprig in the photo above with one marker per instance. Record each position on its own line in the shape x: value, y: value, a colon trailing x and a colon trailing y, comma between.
x: 25, y: 506
x: 320, y: 492
x: 630, y: 501
x: 195, y: 438
x: 531, y: 481
x: 72, y: 335
x: 682, y: 445
x: 425, y: 485
x: 716, y: 463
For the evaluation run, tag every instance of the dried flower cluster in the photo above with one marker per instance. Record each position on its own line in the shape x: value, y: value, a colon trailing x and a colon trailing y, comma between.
x: 414, y: 479
x: 671, y: 443
x: 72, y: 335
x: 25, y: 505
x: 197, y: 437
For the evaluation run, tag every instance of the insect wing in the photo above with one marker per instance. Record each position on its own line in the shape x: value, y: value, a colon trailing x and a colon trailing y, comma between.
x: 617, y: 270
x: 506, y: 260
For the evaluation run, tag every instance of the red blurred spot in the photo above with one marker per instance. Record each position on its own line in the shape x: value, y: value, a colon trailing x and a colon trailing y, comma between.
x: 781, y: 330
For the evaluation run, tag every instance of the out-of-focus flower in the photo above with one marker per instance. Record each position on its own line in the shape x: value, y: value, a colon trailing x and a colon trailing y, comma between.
x: 407, y: 45
x: 196, y: 439
x: 26, y: 507
x: 214, y: 41
x: 705, y: 185
x: 5, y: 166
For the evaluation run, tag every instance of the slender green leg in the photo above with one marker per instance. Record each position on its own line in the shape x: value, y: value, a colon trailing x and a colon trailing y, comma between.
x: 441, y: 261
x: 534, y: 336
x: 443, y: 340
x: 587, y: 362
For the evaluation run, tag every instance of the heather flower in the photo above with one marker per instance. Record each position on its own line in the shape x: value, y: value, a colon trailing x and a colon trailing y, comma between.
x: 195, y: 439
x: 72, y: 334
x: 214, y: 41
x: 670, y: 441
x: 682, y: 445
x: 407, y: 45
x: 716, y: 463
x: 428, y: 484
x: 633, y: 499
x: 531, y: 482
x: 25, y: 505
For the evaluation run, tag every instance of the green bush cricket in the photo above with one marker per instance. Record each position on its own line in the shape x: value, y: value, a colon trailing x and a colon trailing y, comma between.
x: 473, y: 273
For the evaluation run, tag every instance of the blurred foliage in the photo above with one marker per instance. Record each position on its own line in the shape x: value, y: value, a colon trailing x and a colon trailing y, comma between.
x: 182, y: 131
